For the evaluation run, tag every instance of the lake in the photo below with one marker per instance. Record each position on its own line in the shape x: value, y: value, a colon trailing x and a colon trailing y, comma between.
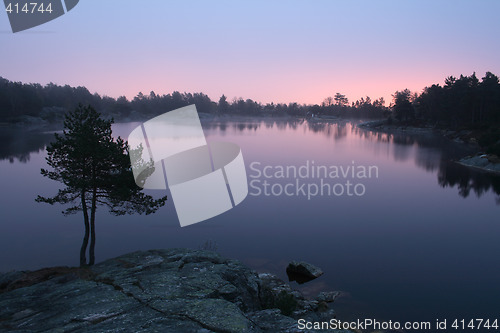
x: 417, y: 239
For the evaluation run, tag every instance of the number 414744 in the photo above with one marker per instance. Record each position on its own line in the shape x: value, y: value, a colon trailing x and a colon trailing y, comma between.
x: 475, y: 324
x: 29, y: 8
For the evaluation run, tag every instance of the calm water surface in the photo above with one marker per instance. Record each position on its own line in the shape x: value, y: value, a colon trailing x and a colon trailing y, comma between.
x: 421, y: 243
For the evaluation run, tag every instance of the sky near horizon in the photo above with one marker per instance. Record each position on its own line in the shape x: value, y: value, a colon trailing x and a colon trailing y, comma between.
x: 281, y: 51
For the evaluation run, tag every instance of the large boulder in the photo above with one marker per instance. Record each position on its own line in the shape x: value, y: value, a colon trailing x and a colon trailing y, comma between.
x: 302, y: 271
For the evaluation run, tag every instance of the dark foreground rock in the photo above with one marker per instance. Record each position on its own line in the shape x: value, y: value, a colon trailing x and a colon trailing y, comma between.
x: 175, y: 290
x: 302, y: 271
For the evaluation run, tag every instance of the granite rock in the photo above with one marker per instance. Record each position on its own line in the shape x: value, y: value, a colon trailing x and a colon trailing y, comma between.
x: 174, y: 290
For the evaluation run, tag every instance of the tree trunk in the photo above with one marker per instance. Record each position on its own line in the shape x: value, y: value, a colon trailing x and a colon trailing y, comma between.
x: 83, y: 249
x: 92, y: 228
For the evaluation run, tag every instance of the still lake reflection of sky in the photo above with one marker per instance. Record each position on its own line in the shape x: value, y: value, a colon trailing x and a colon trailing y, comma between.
x: 421, y: 244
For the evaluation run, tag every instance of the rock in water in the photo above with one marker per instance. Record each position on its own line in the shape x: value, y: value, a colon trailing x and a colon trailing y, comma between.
x: 327, y: 296
x: 175, y: 290
x: 302, y: 271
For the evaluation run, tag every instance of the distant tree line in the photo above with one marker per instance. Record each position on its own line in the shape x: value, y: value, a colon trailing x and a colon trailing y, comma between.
x: 362, y: 108
x: 20, y: 101
x: 461, y: 102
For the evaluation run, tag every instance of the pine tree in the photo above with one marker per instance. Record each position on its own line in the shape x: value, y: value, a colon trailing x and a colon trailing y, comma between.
x: 96, y: 171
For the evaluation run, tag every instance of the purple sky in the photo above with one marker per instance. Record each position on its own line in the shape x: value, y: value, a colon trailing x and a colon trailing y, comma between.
x: 282, y: 51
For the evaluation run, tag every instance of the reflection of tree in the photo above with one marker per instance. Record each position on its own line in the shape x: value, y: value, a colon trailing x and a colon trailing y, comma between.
x: 213, y: 125
x: 252, y: 127
x: 337, y: 130
x: 316, y: 127
x: 453, y: 174
x: 281, y: 125
x: 340, y: 130
x: 435, y: 152
x: 19, y: 144
x: 431, y: 152
x: 239, y: 127
x: 428, y: 158
x: 401, y: 147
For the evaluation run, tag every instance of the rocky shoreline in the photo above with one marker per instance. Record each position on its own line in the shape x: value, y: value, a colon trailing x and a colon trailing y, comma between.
x: 174, y: 290
x: 490, y: 163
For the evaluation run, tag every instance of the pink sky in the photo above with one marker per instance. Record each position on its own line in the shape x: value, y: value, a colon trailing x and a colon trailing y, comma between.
x: 294, y: 51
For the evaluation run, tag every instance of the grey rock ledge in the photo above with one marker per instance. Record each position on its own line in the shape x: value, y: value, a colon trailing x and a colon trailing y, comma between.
x: 174, y: 290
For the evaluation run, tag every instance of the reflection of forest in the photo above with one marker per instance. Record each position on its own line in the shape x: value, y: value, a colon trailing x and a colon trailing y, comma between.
x: 19, y: 144
x: 466, y: 179
x: 436, y: 152
x: 431, y: 152
x: 335, y: 130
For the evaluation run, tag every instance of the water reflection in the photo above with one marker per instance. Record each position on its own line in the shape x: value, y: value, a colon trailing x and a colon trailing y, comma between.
x: 430, y: 152
x: 19, y: 144
x: 336, y: 130
x: 466, y: 180
x: 433, y: 152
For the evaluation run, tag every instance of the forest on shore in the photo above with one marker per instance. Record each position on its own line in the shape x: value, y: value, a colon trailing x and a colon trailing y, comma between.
x: 50, y: 102
x: 461, y: 103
